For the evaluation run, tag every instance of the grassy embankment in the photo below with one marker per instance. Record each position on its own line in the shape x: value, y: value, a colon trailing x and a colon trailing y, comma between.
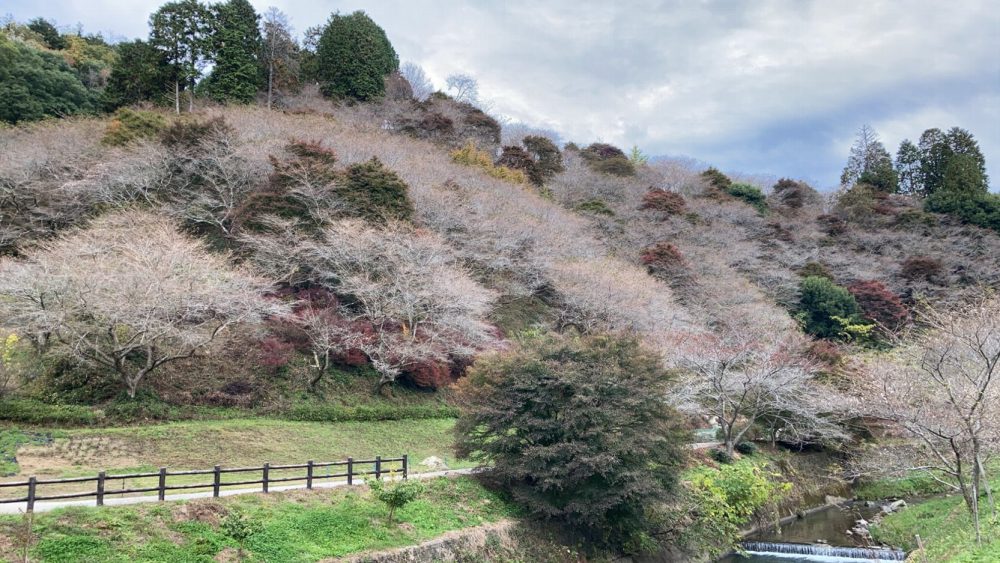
x: 295, y: 526
x: 943, y: 523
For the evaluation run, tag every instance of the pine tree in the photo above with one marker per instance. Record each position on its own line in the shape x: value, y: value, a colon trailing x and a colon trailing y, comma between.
x: 178, y: 29
x: 236, y: 43
x: 353, y: 58
x: 934, y: 154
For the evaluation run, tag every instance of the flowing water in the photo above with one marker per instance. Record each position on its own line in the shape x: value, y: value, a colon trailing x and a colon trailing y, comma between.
x: 818, y: 537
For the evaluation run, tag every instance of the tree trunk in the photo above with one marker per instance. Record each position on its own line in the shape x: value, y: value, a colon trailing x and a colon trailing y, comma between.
x: 191, y: 98
x: 177, y: 96
x: 270, y: 81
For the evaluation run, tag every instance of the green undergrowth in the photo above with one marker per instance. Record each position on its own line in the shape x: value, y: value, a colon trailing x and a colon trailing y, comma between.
x: 289, y: 527
x: 946, y: 530
x: 918, y: 484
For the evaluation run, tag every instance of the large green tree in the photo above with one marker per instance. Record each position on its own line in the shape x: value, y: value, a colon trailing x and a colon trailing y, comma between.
x: 236, y: 44
x: 48, y: 32
x: 353, y: 58
x: 179, y: 29
x: 869, y: 163
x: 577, y: 429
x: 35, y: 84
x: 908, y: 169
x: 141, y: 72
x: 825, y: 307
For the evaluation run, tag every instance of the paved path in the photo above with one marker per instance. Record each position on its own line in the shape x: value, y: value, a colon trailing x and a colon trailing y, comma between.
x: 45, y: 506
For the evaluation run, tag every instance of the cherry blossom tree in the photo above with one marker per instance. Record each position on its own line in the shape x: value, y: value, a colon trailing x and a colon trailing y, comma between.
x: 129, y: 294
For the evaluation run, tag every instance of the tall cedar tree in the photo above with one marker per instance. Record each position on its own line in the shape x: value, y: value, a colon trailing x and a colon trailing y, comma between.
x: 354, y: 57
x: 236, y: 42
x: 577, y: 430
x: 908, y: 169
x: 179, y: 30
x: 141, y: 72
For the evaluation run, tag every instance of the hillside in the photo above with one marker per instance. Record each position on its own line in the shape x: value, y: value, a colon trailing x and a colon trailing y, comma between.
x: 294, y: 257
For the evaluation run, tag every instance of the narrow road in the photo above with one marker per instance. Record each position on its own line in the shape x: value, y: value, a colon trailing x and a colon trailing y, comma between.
x: 43, y: 506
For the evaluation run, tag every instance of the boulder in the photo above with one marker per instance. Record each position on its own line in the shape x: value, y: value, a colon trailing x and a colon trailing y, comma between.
x: 434, y: 463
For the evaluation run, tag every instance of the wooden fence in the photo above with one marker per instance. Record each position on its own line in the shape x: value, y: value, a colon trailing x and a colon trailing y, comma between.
x: 353, y: 468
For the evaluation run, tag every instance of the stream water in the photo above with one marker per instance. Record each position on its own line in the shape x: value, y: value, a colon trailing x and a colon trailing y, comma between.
x: 818, y: 537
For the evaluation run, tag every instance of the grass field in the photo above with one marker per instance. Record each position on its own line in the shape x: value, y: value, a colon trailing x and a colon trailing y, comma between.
x: 295, y: 527
x: 946, y: 529
x: 230, y: 443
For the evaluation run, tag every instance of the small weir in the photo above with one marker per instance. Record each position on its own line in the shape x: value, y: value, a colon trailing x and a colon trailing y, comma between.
x: 814, y: 552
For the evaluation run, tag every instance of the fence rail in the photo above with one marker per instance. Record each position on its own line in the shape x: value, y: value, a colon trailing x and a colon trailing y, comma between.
x: 378, y: 467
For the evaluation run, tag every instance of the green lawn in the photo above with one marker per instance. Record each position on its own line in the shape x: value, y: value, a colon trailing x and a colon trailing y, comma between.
x: 230, y: 443
x: 946, y: 529
x: 294, y: 527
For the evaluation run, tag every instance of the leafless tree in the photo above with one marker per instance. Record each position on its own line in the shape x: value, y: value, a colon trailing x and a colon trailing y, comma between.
x: 943, y: 390
x: 748, y: 373
x: 128, y: 293
x: 280, y: 51
x: 422, y: 304
x: 415, y: 75
x: 463, y: 88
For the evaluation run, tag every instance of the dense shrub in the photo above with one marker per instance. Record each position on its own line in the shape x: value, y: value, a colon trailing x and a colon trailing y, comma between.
x: 826, y: 353
x: 832, y: 225
x: 517, y: 158
x: 548, y: 159
x: 430, y: 125
x: 721, y: 456
x: 26, y: 411
x: 980, y: 209
x: 664, y: 201
x: 716, y: 180
x: 879, y: 304
x: 397, y: 88
x: 921, y: 268
x: 663, y: 259
x: 480, y: 125
x: 595, y: 206
x: 821, y: 303
x: 338, y: 413
x: 372, y: 191
x: 815, y: 269
x: 428, y: 374
x: 470, y: 155
x: 190, y: 133
x: 608, y: 159
x: 130, y: 125
x: 793, y: 195
x: 750, y: 194
x: 746, y: 448
x: 529, y: 415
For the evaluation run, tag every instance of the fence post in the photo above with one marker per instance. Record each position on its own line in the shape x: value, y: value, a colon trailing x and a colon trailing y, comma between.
x: 162, y: 492
x: 217, y: 482
x: 378, y: 467
x: 406, y: 466
x: 32, y: 484
x: 100, y: 488
x: 309, y: 474
x: 350, y: 471
x: 267, y: 474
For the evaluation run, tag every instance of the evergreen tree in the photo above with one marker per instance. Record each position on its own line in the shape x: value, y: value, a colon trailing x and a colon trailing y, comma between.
x: 142, y: 72
x: 236, y: 43
x: 35, y: 84
x: 822, y: 303
x: 178, y: 29
x: 961, y: 142
x: 48, y: 32
x: 934, y: 154
x: 870, y: 163
x: 908, y: 169
x: 354, y: 57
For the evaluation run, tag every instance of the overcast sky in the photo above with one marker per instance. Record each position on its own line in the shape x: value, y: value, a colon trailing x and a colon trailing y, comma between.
x: 756, y: 86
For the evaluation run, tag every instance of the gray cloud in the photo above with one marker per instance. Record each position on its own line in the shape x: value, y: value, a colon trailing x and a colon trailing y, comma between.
x: 765, y: 86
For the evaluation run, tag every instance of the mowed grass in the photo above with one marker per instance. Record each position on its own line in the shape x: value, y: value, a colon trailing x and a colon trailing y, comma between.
x: 229, y: 443
x: 297, y: 526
